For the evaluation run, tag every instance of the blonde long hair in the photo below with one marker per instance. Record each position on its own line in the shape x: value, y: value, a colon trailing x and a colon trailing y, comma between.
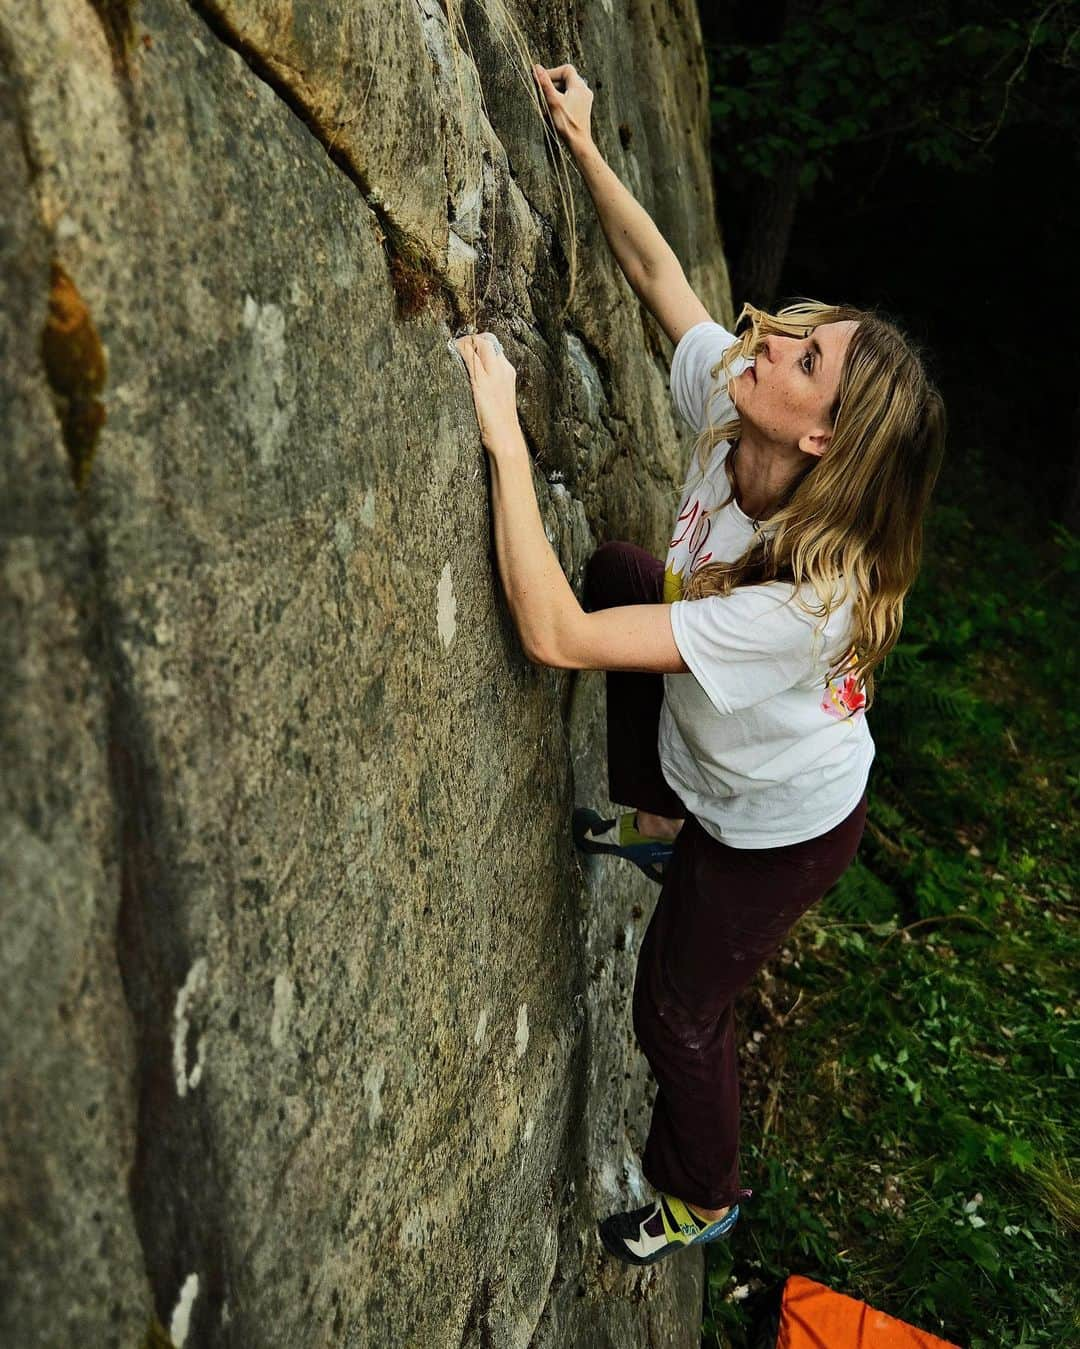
x: 850, y: 526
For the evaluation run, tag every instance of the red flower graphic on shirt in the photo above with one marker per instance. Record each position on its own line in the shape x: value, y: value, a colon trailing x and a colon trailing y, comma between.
x: 843, y: 699
x: 697, y: 526
x: 688, y: 513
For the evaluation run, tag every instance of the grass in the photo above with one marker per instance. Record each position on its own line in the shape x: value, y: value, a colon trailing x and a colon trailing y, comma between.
x: 910, y: 1060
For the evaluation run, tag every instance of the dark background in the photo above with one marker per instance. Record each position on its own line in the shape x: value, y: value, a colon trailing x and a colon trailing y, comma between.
x: 975, y: 259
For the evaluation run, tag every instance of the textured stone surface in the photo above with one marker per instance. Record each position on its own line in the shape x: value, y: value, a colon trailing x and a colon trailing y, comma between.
x: 315, y: 1029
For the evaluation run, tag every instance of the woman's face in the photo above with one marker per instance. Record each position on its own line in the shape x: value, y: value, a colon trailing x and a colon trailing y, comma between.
x: 785, y: 397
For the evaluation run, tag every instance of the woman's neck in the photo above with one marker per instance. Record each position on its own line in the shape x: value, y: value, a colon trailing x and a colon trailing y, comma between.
x: 762, y: 476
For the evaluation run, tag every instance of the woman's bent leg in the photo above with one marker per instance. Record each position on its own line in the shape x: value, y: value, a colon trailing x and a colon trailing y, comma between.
x: 721, y: 914
x: 617, y: 574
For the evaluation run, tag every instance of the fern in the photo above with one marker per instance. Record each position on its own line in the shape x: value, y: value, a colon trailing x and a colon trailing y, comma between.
x: 861, y: 896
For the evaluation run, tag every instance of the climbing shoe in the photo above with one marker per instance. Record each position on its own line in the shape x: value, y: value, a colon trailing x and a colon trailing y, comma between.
x: 620, y: 837
x: 648, y: 1234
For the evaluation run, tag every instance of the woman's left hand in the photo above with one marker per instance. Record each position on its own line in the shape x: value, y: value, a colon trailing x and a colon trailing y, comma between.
x: 494, y: 389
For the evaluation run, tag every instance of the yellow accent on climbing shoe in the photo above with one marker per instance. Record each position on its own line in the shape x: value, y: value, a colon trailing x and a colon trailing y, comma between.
x: 689, y: 1227
x: 629, y: 835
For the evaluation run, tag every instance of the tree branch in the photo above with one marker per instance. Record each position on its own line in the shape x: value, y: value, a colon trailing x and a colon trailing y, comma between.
x: 1019, y: 71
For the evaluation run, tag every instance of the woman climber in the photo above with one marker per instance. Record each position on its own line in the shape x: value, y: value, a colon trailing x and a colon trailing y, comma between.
x: 739, y: 673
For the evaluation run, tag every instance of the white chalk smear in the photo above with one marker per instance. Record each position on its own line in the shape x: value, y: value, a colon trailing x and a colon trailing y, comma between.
x: 270, y: 382
x: 181, y: 1317
x: 193, y: 986
x: 283, y: 1007
x: 521, y: 1036
x: 195, y: 1076
x: 526, y: 1139
x: 373, y: 1085
x: 447, y: 614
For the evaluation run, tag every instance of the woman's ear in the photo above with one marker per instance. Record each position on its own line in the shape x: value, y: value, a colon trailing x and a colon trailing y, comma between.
x: 815, y: 443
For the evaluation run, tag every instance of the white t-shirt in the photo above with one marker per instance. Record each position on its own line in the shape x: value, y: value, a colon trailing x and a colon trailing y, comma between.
x: 755, y: 741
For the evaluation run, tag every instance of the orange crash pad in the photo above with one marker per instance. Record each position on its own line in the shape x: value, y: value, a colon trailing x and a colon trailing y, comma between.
x: 814, y: 1317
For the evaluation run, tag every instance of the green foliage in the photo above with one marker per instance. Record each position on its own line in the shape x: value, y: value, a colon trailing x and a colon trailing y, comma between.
x: 924, y: 1156
x: 939, y: 80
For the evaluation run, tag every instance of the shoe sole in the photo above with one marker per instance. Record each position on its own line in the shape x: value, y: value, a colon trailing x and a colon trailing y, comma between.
x: 614, y: 1247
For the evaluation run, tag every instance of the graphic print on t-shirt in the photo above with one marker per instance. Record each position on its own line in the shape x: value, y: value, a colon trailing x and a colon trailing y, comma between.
x: 688, y: 546
x: 709, y: 526
x: 843, y: 697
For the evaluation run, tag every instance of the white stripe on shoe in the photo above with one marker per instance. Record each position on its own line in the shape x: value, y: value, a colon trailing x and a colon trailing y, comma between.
x: 643, y: 1244
x: 609, y: 836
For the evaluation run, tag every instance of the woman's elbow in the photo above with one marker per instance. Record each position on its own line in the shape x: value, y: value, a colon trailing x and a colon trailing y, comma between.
x: 561, y: 644
x: 549, y: 654
x: 546, y: 656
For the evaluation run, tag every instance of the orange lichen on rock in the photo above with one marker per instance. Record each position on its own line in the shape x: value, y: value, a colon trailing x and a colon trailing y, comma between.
x: 415, y: 285
x: 75, y: 367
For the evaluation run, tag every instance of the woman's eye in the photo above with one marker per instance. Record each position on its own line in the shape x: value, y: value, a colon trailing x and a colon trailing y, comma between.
x: 808, y: 357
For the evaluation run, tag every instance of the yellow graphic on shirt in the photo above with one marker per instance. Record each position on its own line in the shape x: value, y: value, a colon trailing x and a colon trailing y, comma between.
x: 673, y: 584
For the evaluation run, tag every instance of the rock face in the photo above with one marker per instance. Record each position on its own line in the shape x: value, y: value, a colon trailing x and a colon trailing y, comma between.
x: 315, y: 1030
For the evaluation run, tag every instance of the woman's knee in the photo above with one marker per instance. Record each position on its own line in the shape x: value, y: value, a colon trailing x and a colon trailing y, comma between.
x: 672, y: 1033
x: 613, y: 575
x: 602, y: 573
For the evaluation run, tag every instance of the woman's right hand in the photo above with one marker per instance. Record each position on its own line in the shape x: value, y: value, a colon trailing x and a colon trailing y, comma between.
x: 570, y: 106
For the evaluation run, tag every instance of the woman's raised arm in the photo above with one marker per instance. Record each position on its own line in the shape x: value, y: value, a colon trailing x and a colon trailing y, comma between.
x: 647, y: 260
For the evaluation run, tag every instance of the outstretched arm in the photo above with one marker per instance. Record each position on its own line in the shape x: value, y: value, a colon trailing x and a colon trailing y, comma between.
x: 647, y: 260
x: 553, y: 627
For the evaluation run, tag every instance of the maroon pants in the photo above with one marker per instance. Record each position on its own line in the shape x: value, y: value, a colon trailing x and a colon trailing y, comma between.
x: 721, y: 914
